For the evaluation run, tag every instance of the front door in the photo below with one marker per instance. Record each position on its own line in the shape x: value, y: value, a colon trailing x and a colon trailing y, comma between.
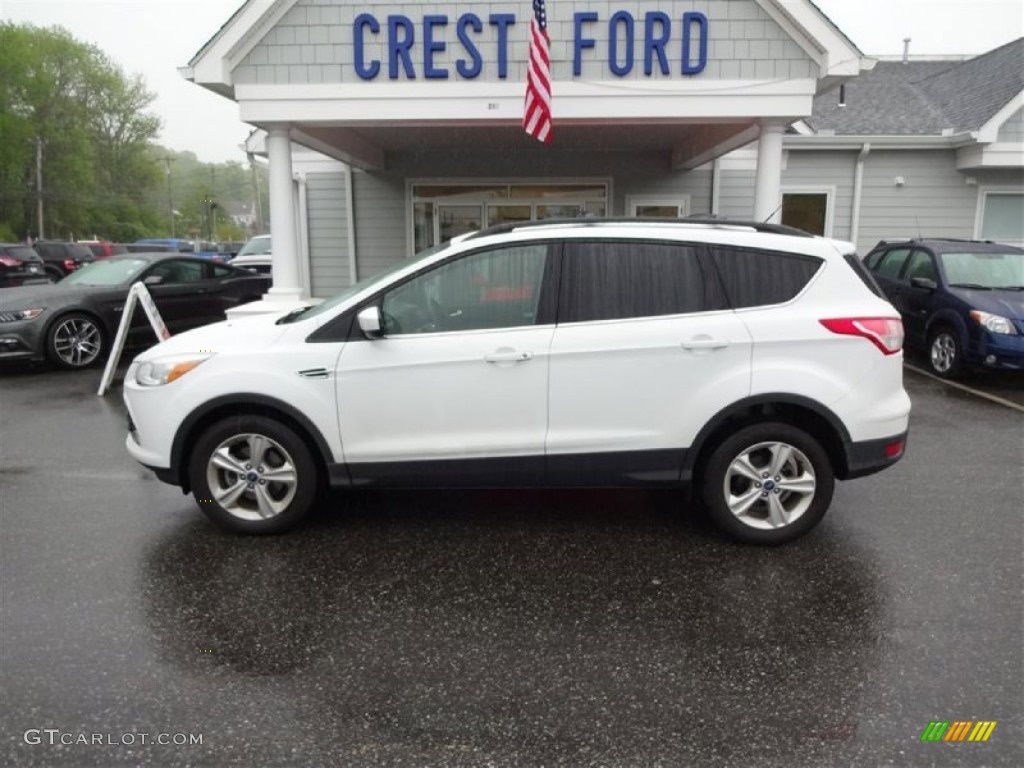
x: 455, y: 391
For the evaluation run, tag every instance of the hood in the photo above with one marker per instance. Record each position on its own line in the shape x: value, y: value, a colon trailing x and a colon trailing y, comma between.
x: 24, y: 296
x: 245, y: 333
x: 1009, y: 304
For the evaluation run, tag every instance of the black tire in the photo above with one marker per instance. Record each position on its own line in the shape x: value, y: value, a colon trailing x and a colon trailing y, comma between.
x: 76, y: 341
x: 797, y: 509
x: 247, y: 510
x: 55, y: 274
x: 945, y: 354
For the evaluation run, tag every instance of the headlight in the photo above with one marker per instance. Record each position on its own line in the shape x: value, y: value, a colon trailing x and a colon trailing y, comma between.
x: 13, y: 316
x: 156, y: 373
x: 993, y: 323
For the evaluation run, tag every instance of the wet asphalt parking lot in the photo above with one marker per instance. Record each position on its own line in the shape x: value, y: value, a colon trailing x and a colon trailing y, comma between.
x: 505, y: 628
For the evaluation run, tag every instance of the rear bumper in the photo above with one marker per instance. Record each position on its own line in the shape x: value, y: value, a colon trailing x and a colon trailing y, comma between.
x: 869, y: 456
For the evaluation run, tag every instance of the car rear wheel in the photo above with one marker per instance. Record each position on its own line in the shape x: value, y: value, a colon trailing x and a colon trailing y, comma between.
x: 945, y: 358
x: 768, y: 484
x: 253, y: 474
x: 75, y: 341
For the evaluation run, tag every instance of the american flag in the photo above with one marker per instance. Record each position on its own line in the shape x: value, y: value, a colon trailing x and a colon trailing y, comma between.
x: 537, y: 112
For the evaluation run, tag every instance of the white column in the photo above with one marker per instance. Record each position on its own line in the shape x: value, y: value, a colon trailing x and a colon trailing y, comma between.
x: 283, y: 231
x: 768, y: 181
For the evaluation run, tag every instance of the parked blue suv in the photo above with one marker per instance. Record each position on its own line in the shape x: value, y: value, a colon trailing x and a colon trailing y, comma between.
x: 961, y: 300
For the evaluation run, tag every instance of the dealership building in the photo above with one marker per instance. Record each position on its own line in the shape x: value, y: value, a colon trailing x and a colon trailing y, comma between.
x: 391, y: 127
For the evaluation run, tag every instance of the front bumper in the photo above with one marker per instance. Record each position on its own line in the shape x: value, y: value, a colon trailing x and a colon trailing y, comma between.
x: 998, y: 351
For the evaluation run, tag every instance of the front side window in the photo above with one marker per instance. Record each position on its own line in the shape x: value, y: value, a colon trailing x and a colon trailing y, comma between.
x: 920, y: 265
x: 762, y: 278
x: 179, y: 271
x: 498, y: 288
x: 619, y: 280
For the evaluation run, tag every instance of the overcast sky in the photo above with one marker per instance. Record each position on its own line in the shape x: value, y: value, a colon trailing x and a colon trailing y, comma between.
x: 155, y: 37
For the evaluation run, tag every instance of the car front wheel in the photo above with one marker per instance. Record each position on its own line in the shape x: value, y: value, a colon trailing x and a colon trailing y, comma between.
x: 75, y: 341
x: 768, y: 484
x: 253, y: 474
x: 944, y: 355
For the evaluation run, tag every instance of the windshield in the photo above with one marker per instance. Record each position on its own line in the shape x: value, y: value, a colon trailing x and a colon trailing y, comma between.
x: 991, y: 270
x: 109, y: 272
x: 363, y: 284
x: 258, y: 246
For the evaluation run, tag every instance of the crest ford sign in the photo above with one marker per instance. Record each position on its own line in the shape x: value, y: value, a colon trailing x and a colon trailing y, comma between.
x: 416, y: 48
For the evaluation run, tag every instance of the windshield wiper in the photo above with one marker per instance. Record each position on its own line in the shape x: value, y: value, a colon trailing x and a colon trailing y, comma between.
x: 293, y: 315
x: 971, y: 285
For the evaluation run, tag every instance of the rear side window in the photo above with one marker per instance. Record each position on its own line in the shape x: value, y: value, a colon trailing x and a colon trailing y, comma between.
x: 759, y: 278
x: 613, y: 280
x: 892, y: 263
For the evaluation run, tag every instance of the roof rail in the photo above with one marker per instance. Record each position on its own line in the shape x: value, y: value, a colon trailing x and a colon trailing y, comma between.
x: 758, y: 226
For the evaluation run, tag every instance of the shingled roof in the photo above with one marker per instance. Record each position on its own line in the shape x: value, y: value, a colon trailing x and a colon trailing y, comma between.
x: 922, y: 98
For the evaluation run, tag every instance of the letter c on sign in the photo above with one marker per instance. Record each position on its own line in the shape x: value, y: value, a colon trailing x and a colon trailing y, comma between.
x: 362, y: 21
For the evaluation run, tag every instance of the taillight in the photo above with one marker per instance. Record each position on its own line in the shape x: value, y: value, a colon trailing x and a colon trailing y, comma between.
x: 886, y: 333
x: 9, y: 262
x: 893, y: 450
x: 70, y: 265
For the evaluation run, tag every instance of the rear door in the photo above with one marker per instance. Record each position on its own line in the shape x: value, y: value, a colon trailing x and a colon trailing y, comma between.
x: 644, y: 353
x: 918, y: 303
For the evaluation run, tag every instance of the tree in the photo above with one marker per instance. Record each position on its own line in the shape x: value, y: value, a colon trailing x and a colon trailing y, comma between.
x: 65, y: 105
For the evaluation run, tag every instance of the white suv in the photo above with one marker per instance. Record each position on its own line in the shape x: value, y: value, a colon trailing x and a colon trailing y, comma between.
x: 755, y: 362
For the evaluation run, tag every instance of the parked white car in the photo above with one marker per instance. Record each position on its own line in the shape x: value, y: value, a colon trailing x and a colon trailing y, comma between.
x: 756, y: 363
x: 255, y: 256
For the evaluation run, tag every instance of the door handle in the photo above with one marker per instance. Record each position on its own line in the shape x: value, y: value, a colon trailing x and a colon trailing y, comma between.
x: 507, y: 356
x: 705, y: 344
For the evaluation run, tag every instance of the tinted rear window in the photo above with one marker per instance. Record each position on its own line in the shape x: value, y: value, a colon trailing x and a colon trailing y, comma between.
x: 23, y: 252
x: 758, y: 278
x: 615, y: 280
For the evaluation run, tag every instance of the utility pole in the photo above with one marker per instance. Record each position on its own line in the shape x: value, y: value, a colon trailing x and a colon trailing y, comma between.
x: 39, y: 186
x: 259, y: 197
x: 213, y: 207
x: 170, y: 198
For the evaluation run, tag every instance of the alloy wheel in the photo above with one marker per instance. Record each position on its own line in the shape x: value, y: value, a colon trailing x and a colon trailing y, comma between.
x: 769, y: 485
x: 943, y: 352
x: 252, y: 477
x: 77, y: 341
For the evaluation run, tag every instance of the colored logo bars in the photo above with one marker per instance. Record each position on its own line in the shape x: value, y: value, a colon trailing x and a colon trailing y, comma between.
x: 959, y: 730
x: 537, y: 114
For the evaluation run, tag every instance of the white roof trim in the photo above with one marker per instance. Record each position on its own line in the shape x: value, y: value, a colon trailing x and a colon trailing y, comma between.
x: 822, y: 40
x: 213, y: 64
x: 989, y: 132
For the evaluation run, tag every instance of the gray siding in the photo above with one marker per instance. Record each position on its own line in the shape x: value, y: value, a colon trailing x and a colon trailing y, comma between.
x: 935, y: 200
x: 326, y: 202
x: 736, y: 197
x: 313, y: 42
x: 381, y: 221
x: 825, y: 169
x: 1013, y: 128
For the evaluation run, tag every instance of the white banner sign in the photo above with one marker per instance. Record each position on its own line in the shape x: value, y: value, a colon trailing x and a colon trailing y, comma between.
x: 138, y: 294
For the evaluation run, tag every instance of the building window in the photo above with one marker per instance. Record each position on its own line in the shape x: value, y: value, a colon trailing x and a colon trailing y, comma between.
x: 809, y: 210
x: 675, y: 207
x: 1002, y: 217
x: 443, y: 210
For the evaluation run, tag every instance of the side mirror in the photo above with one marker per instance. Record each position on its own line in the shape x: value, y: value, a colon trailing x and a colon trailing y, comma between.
x: 924, y: 282
x: 153, y: 280
x: 369, y: 322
